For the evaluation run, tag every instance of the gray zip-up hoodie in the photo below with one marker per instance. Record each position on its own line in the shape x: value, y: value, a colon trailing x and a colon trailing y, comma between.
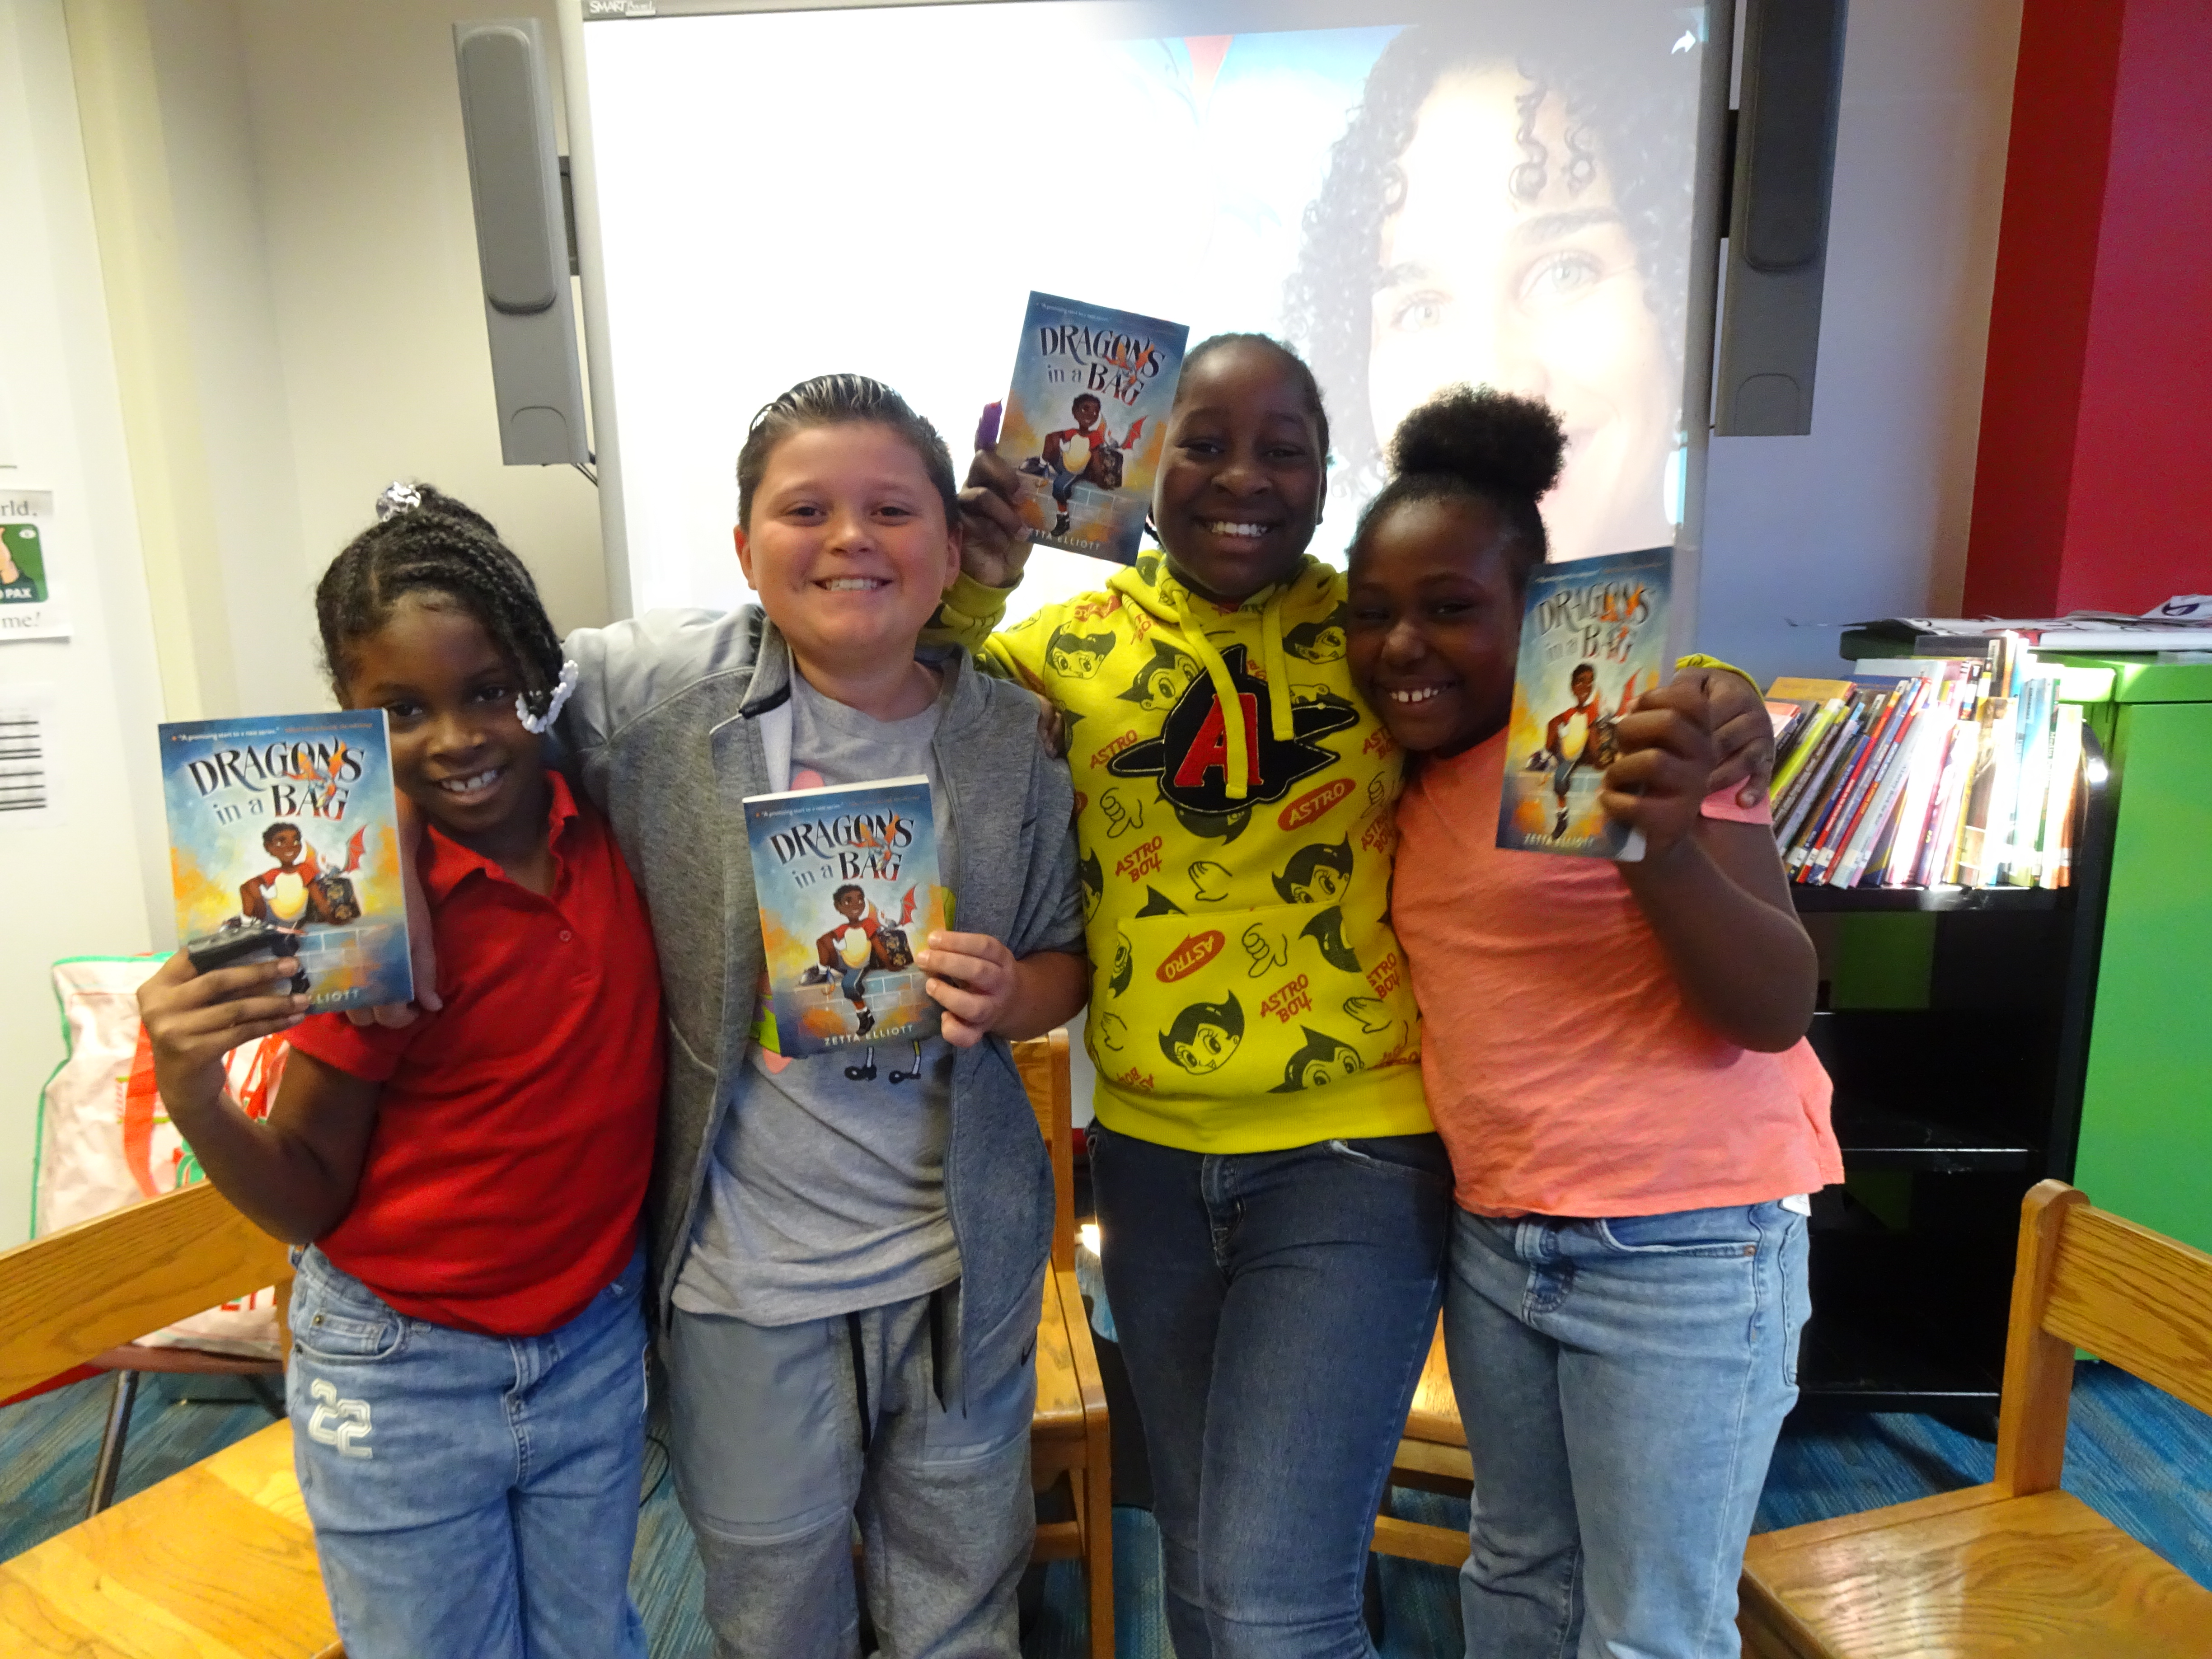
x: 672, y: 725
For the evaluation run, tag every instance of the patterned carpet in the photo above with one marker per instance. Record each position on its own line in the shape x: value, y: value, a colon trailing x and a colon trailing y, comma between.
x: 2140, y: 1457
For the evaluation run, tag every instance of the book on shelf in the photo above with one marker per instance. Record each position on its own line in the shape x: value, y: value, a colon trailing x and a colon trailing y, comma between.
x: 1593, y: 641
x: 1966, y: 772
x: 284, y: 841
x: 846, y: 878
x: 1085, y: 421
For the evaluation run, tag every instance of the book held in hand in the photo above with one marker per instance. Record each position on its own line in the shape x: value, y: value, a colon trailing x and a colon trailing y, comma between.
x: 284, y: 841
x: 1085, y: 421
x: 1593, y: 641
x: 846, y: 881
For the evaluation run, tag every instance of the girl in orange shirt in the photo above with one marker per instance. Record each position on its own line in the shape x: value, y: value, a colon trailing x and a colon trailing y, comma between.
x: 1615, y: 1059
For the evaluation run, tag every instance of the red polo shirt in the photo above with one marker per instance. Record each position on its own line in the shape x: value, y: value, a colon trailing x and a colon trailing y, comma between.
x: 514, y: 1129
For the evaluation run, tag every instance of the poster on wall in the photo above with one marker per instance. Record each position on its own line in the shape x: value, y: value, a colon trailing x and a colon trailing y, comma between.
x: 30, y: 606
x: 29, y: 795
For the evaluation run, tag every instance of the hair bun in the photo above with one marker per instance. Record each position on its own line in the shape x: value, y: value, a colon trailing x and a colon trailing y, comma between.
x: 1483, y: 437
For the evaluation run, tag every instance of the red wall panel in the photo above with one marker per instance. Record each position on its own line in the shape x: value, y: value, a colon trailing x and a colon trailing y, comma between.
x: 2140, y: 523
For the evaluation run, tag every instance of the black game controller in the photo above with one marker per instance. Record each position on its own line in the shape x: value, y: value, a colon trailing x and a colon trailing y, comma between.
x: 244, y: 940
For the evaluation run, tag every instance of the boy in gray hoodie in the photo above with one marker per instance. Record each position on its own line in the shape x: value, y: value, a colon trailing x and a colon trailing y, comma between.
x: 847, y: 1258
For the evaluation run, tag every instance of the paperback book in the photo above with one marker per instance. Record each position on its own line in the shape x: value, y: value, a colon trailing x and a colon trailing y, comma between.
x: 1593, y: 641
x: 1085, y: 421
x: 284, y: 840
x: 846, y: 881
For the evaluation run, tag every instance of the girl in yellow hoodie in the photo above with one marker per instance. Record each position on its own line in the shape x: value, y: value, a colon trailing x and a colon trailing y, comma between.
x: 1273, y: 1200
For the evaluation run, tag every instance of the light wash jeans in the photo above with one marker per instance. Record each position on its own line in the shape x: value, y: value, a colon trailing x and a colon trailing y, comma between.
x: 1275, y: 1310
x: 1622, y: 1383
x: 473, y: 1497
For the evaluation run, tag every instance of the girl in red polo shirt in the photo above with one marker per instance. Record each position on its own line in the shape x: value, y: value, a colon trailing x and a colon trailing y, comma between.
x: 466, y: 1381
x: 1614, y: 1055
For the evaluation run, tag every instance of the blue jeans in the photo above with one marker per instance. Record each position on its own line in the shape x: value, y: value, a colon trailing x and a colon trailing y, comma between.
x: 472, y: 1495
x: 1622, y: 1383
x: 1274, y: 1310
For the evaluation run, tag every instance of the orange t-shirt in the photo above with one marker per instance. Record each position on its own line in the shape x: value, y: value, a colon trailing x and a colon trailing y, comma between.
x: 1563, y: 1069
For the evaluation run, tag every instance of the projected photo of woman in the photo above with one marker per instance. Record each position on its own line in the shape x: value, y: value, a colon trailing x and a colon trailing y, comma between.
x: 1510, y: 204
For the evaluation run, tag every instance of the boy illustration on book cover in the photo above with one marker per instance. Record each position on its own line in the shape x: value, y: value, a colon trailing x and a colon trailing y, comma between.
x: 845, y: 879
x: 1593, y: 640
x: 288, y: 823
x: 1085, y: 421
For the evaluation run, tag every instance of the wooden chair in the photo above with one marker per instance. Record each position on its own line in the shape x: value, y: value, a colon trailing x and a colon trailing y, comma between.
x: 218, y: 1560
x: 2016, y: 1568
x: 1431, y: 1457
x: 1069, y: 1442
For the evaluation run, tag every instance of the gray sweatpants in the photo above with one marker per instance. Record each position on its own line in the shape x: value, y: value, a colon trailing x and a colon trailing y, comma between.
x: 772, y: 1463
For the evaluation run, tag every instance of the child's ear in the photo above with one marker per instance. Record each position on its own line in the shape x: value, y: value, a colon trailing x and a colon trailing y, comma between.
x: 955, y: 535
x: 744, y: 554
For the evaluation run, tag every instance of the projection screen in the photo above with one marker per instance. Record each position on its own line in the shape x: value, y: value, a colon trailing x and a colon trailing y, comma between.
x: 1411, y: 192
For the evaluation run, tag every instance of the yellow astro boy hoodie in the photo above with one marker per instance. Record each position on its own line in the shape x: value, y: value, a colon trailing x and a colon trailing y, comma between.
x: 1235, y: 820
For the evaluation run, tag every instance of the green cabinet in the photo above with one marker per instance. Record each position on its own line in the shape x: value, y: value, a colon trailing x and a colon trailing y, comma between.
x: 2146, y: 1137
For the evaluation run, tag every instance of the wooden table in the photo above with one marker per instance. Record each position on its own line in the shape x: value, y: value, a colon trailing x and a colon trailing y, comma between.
x: 216, y: 1562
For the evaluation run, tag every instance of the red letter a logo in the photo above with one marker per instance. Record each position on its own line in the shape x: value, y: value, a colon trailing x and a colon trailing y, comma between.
x: 1209, y: 750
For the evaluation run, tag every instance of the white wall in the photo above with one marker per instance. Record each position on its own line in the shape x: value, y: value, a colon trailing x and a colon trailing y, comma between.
x: 296, y: 208
x: 325, y: 257
x: 1867, y: 516
x: 362, y: 182
x: 79, y: 884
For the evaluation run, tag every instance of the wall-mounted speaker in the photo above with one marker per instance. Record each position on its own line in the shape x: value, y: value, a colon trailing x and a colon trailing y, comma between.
x: 1777, y: 252
x: 522, y: 242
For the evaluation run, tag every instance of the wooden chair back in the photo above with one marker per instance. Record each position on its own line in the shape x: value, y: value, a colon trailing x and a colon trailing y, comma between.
x: 89, y: 1288
x: 2086, y: 1278
x: 1043, y: 1064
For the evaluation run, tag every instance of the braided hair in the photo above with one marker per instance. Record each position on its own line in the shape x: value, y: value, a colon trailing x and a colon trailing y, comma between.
x: 424, y: 542
x: 841, y: 400
x: 1476, y: 443
x: 1629, y: 96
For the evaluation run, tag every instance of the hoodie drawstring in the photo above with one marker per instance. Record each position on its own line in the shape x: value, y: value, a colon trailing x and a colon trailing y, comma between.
x: 1278, y: 667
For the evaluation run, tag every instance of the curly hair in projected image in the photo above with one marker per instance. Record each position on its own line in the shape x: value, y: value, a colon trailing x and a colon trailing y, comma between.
x: 1510, y: 204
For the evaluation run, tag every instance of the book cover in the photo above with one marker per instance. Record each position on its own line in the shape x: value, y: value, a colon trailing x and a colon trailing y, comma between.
x: 1085, y: 421
x: 1809, y: 767
x: 1849, y: 795
x: 1970, y: 862
x: 846, y: 882
x: 288, y: 821
x: 1593, y: 641
x: 1877, y: 790
x: 1811, y: 792
x: 1836, y: 795
x: 1940, y: 855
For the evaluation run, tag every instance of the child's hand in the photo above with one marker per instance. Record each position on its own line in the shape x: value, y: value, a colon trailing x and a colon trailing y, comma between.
x: 1665, y: 768
x: 974, y: 978
x: 995, y: 543
x: 1743, y: 734
x: 193, y: 1020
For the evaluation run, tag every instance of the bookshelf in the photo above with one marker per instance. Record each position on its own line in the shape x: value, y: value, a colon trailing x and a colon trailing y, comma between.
x: 1954, y: 1023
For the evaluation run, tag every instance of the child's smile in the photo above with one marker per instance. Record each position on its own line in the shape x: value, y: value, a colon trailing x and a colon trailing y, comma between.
x: 1435, y: 623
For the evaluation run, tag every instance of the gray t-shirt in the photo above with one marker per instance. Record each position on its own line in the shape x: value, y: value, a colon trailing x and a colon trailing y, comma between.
x: 826, y: 1194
